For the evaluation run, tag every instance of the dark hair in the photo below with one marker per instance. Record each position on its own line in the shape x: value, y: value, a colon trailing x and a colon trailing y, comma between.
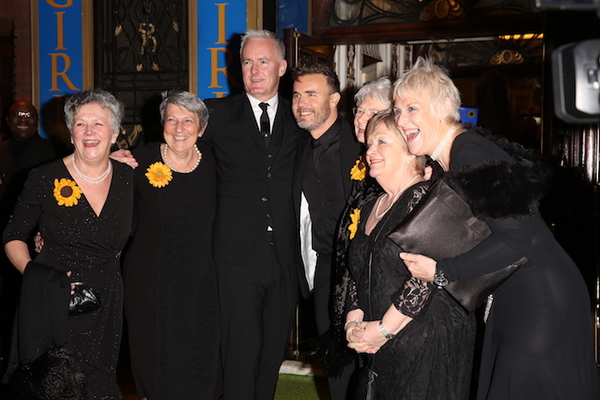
x: 321, y: 69
x: 99, y: 96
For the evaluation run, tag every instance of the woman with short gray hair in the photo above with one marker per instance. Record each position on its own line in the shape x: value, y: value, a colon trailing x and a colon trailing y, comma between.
x: 170, y: 285
x: 83, y: 206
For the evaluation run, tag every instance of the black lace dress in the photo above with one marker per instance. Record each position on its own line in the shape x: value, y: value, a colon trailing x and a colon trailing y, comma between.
x: 431, y: 358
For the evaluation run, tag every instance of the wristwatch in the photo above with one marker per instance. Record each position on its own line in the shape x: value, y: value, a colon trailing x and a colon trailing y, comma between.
x: 385, y: 333
x: 439, y: 278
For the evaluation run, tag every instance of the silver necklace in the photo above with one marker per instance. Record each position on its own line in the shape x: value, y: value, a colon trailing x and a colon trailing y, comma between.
x: 173, y: 169
x: 377, y: 215
x: 88, y: 179
x: 440, y: 146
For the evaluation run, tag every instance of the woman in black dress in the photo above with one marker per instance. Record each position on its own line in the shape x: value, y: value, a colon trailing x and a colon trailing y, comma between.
x: 170, y: 287
x: 538, y: 342
x: 83, y: 206
x: 417, y: 338
x: 373, y: 98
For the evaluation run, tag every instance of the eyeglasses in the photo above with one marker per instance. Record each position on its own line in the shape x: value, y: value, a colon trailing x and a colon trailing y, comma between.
x: 22, y: 114
x: 369, y: 113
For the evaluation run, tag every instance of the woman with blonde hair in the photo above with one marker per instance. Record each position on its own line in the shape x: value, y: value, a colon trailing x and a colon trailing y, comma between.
x: 537, y: 342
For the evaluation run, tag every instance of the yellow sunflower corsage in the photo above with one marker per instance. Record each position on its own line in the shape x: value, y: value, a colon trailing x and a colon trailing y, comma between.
x: 66, y: 192
x: 159, y: 175
x: 359, y: 171
x: 354, y: 217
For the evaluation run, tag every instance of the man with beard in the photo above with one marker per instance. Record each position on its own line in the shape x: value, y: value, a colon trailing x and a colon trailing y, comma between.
x: 323, y: 178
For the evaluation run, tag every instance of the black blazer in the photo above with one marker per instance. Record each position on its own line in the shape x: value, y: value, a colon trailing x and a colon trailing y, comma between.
x: 349, y: 152
x: 253, y: 181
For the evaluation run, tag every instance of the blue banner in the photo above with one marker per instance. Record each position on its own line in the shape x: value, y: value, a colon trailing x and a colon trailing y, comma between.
x: 60, y: 55
x: 219, y: 28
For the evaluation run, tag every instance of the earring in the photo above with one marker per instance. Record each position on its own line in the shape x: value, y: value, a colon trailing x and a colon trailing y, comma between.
x: 408, y: 162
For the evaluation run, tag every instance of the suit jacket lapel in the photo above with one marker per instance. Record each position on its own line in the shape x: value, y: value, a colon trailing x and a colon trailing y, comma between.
x: 241, y: 113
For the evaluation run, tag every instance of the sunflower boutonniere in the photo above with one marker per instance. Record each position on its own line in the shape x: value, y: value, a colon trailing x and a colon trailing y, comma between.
x: 359, y: 170
x: 159, y: 175
x: 354, y: 218
x: 66, y: 192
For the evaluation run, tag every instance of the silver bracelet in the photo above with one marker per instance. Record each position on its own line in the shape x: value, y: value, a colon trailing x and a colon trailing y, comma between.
x: 385, y: 333
x: 351, y: 320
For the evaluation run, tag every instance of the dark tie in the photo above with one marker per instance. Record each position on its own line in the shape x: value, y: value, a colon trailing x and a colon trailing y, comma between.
x: 265, y: 124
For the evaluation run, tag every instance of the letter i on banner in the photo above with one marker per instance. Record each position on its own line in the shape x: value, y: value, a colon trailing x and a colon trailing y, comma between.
x: 58, y: 62
x: 218, y: 25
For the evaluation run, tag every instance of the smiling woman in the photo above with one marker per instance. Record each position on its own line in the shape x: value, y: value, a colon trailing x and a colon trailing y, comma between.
x: 170, y: 258
x: 402, y: 325
x: 537, y: 340
x: 83, y: 205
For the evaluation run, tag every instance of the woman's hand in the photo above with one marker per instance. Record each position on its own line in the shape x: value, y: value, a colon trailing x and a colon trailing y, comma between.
x: 125, y: 157
x: 69, y: 273
x: 420, y: 266
x: 366, y: 337
x: 38, y: 242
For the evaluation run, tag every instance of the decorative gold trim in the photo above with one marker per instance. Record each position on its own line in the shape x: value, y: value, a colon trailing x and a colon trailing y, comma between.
x: 87, y: 43
x: 254, y: 14
x: 310, y: 21
x: 192, y: 47
x: 35, y: 47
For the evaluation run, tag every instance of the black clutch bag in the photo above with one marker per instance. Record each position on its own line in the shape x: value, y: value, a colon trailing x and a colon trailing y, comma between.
x: 83, y: 300
x: 442, y: 226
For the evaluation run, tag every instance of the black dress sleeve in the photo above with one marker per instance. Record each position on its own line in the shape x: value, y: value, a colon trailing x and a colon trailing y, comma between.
x: 510, y: 239
x: 27, y: 212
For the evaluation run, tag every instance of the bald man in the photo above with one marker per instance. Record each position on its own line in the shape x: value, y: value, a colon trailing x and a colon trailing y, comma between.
x: 24, y: 150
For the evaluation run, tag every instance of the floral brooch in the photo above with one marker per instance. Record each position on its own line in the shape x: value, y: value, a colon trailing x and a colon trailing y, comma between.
x: 359, y: 170
x: 66, y: 192
x: 354, y: 218
x: 159, y: 175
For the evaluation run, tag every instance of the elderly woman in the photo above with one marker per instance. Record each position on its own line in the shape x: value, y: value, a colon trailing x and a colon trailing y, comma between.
x: 373, y: 98
x: 418, y: 340
x: 170, y: 287
x: 83, y: 205
x: 537, y: 342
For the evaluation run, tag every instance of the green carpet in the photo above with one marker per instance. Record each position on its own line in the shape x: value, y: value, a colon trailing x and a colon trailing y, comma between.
x: 297, y: 387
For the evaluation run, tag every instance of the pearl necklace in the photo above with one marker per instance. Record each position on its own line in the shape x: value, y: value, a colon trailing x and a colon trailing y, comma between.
x: 88, y: 179
x: 440, y: 146
x: 377, y: 215
x: 173, y: 169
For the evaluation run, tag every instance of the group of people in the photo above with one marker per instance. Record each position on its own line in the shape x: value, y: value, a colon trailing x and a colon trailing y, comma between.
x: 225, y: 222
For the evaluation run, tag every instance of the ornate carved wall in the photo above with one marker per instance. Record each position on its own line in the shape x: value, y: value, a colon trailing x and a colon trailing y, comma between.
x: 141, y: 50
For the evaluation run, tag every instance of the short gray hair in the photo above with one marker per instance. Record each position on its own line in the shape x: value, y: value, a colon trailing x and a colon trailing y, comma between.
x: 98, y: 96
x: 379, y: 90
x: 425, y: 78
x: 264, y: 34
x: 187, y: 100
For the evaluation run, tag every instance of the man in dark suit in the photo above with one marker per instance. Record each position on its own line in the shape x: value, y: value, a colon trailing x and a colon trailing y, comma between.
x: 255, y: 229
x: 24, y: 150
x: 323, y: 178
